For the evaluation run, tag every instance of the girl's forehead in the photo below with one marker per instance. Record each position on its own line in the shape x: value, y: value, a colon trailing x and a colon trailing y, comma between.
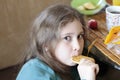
x: 72, y: 27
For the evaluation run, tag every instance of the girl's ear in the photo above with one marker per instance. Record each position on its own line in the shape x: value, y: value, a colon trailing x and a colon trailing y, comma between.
x: 48, y: 52
x: 46, y: 49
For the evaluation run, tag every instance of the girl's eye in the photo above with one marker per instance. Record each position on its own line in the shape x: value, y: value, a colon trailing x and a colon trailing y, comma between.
x: 68, y: 38
x: 80, y: 36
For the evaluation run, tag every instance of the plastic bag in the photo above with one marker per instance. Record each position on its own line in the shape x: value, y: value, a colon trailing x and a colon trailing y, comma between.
x: 114, y: 47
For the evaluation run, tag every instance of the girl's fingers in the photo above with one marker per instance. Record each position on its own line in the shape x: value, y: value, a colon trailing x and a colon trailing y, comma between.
x: 97, y: 69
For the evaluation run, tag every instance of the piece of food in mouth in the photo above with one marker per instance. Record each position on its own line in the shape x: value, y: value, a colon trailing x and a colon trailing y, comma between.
x: 76, y: 59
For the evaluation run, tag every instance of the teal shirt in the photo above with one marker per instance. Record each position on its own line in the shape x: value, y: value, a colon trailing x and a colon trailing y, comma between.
x: 35, y: 69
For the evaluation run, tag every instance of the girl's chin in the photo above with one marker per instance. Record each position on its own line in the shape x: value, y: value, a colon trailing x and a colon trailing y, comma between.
x: 72, y: 64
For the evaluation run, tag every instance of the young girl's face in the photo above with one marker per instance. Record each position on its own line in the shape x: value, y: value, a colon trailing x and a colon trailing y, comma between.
x: 71, y: 42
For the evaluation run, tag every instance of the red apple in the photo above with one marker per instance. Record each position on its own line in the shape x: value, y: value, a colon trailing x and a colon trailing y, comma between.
x: 92, y: 23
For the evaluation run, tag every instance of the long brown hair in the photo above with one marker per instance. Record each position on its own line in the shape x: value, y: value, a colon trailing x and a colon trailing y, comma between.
x: 45, y: 32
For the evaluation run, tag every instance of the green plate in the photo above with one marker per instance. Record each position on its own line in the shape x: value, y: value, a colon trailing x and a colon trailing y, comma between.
x: 76, y: 3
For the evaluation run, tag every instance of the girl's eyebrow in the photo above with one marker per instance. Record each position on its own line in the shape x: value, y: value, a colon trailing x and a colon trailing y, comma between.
x: 71, y: 33
x: 67, y: 34
x: 82, y: 32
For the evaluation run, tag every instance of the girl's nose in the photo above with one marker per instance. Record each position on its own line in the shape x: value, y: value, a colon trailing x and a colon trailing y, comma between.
x: 76, y: 45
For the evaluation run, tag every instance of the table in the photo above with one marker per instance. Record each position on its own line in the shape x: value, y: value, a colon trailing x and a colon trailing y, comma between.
x: 100, y: 49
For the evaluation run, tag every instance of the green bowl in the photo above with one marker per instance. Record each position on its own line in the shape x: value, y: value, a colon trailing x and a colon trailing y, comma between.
x: 76, y: 3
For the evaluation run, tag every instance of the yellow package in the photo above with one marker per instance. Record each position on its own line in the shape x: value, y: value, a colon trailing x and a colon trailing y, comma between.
x: 113, y: 36
x: 113, y: 39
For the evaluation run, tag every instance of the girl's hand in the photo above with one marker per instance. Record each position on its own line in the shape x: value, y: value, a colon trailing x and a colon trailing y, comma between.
x: 87, y: 69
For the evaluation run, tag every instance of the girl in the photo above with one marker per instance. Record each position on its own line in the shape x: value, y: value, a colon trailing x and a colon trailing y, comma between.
x: 58, y: 35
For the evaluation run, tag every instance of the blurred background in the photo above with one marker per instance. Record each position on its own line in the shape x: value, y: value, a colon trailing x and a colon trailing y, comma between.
x: 16, y: 16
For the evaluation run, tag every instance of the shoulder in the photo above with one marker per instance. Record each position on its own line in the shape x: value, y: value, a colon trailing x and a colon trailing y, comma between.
x: 36, y: 69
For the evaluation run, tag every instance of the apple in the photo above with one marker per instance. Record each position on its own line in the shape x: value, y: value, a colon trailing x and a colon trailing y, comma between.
x: 92, y: 23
